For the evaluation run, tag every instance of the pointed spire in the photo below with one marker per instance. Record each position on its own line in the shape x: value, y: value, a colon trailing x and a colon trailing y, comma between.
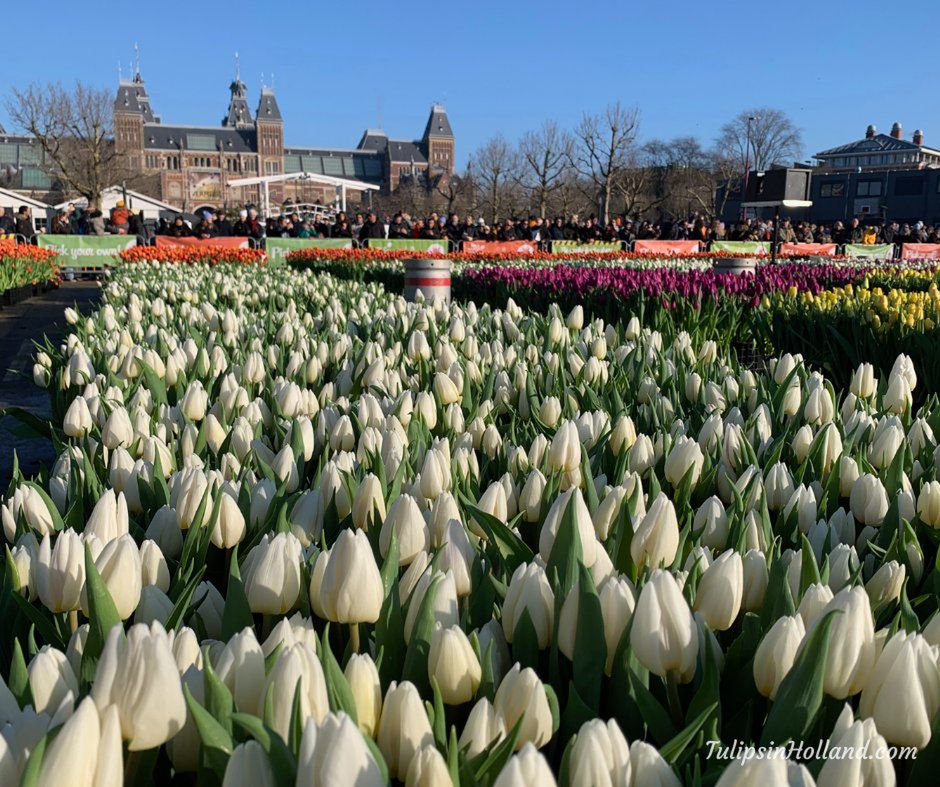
x: 239, y: 113
x: 137, y: 62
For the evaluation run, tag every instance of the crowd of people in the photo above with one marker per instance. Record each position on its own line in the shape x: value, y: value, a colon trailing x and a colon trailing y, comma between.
x: 365, y: 226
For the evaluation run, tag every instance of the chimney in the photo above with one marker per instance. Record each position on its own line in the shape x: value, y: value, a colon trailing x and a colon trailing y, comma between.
x: 896, y: 131
x: 918, y: 137
x: 870, y: 132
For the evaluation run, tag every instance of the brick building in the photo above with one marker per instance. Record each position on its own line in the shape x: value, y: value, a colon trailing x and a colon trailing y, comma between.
x: 191, y: 166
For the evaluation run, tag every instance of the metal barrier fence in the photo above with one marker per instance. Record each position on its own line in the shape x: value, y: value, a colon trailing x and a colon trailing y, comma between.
x: 885, y: 251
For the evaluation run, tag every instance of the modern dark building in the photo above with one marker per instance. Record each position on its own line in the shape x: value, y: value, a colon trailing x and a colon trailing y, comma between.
x: 881, y: 177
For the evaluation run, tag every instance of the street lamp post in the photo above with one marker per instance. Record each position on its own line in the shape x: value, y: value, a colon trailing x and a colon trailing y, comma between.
x: 747, y: 164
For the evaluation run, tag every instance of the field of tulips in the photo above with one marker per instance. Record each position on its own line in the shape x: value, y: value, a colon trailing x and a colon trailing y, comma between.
x: 300, y: 531
x: 25, y: 266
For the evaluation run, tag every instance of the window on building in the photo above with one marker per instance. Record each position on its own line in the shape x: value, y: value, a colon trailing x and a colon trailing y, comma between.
x: 868, y: 188
x: 909, y: 186
x: 152, y: 162
x: 35, y: 179
x: 832, y: 189
x: 8, y: 153
x: 233, y: 165
x: 272, y: 168
x: 200, y: 141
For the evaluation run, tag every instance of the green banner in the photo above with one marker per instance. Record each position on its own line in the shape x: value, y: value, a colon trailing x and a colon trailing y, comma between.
x: 278, y: 248
x: 410, y: 244
x: 86, y: 251
x: 741, y: 246
x: 878, y: 251
x: 577, y: 247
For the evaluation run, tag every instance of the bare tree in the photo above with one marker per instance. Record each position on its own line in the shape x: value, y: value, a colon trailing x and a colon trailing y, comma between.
x: 683, y: 178
x: 75, y: 131
x: 493, y: 165
x: 456, y: 192
x: 774, y: 139
x: 601, y: 152
x: 544, y: 157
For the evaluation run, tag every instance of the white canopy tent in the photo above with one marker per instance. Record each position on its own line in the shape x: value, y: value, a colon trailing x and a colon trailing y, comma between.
x: 342, y: 186
x: 153, y: 208
x: 11, y: 201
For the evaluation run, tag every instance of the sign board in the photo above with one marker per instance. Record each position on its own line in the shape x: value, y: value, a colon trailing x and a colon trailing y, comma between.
x: 410, y: 244
x: 86, y: 251
x: 576, y: 247
x: 278, y: 248
x: 758, y: 248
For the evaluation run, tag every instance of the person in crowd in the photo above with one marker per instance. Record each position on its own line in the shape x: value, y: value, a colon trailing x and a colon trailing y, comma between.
x: 223, y: 225
x: 468, y: 230
x: 7, y: 223
x: 96, y: 223
x: 372, y: 229
x: 61, y: 224
x: 206, y: 228
x: 24, y: 224
x: 118, y: 218
x: 179, y: 228
x: 398, y: 228
x: 357, y: 224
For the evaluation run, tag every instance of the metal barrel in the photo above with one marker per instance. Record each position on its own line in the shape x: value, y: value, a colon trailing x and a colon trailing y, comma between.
x: 735, y: 265
x: 429, y: 276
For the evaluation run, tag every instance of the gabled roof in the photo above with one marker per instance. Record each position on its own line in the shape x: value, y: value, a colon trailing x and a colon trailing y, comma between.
x: 267, y: 106
x: 438, y: 125
x: 406, y: 151
x: 13, y: 199
x: 132, y: 97
x: 880, y: 143
x: 234, y: 140
x: 373, y: 139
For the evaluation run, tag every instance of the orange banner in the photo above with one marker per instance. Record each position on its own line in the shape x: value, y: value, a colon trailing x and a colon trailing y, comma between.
x: 666, y: 246
x: 501, y: 247
x: 920, y: 251
x: 805, y: 249
x: 210, y: 243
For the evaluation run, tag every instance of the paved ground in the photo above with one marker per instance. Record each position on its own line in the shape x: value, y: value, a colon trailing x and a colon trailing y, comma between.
x: 20, y: 325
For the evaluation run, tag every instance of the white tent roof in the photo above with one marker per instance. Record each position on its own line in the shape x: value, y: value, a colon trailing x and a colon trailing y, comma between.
x: 328, y: 180
x: 116, y: 193
x: 11, y: 199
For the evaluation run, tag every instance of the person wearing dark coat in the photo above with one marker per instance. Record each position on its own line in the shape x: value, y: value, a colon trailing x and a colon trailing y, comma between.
x: 372, y: 229
x: 24, y: 225
x: 178, y: 229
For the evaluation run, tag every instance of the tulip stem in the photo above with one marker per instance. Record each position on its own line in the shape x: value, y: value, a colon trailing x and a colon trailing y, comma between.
x: 672, y: 695
x: 354, y: 637
x: 73, y: 620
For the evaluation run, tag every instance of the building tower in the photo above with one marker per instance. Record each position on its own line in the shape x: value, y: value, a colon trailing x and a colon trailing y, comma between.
x: 131, y: 111
x: 270, y: 129
x: 239, y: 113
x: 438, y: 142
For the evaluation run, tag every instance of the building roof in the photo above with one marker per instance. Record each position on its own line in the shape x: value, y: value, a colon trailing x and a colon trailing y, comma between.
x: 366, y: 165
x: 267, y: 106
x: 406, y: 151
x: 132, y: 97
x: 438, y: 125
x: 880, y: 143
x: 202, y: 138
x: 373, y: 139
x: 239, y: 113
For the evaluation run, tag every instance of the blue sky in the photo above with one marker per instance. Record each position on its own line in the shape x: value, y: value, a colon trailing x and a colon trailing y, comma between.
x: 504, y: 66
